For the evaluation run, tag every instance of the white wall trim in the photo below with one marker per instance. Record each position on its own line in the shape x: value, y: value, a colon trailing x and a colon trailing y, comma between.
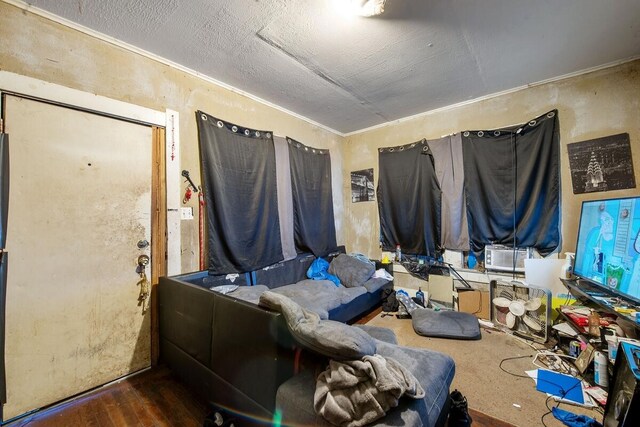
x: 55, y: 18
x: 112, y: 40
x: 32, y: 87
x: 173, y: 180
x: 492, y: 95
x: 50, y: 91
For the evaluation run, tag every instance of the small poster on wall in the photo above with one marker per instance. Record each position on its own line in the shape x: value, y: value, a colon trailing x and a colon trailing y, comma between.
x: 601, y: 164
x: 362, y: 186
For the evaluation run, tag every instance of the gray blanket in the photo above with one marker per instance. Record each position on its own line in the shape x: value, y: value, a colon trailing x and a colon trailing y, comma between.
x: 358, y: 392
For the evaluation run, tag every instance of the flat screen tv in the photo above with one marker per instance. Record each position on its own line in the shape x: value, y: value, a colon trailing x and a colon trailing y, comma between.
x: 608, y: 247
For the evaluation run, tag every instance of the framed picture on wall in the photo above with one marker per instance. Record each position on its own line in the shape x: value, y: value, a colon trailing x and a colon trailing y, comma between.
x: 362, y: 186
x: 601, y: 164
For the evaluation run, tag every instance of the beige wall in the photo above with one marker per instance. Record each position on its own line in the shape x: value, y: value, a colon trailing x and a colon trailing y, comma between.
x: 37, y: 47
x: 592, y: 105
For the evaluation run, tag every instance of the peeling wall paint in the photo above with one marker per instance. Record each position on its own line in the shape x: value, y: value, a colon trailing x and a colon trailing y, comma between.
x: 37, y: 47
x: 592, y: 105
x: 601, y: 103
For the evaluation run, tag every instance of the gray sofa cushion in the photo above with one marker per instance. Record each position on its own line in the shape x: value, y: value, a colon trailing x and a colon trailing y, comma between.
x: 433, y: 370
x: 248, y: 293
x: 327, y: 337
x: 319, y: 296
x: 374, y: 283
x: 383, y: 334
x: 445, y: 324
x: 351, y: 271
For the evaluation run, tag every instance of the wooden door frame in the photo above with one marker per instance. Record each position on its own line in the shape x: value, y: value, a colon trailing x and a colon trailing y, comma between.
x: 158, y: 232
x: 165, y: 235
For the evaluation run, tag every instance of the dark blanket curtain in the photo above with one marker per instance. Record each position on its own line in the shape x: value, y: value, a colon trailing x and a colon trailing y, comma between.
x: 313, y: 221
x: 239, y: 176
x: 512, y: 185
x: 409, y: 200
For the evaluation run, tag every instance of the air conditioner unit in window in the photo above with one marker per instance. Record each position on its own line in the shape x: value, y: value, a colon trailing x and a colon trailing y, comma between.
x: 504, y: 258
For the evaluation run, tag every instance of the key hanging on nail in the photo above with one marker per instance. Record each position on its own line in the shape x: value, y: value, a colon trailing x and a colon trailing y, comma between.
x: 145, y: 290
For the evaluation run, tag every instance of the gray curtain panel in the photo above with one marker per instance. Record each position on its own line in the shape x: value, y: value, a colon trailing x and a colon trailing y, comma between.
x: 512, y: 185
x: 314, y: 225
x: 285, y: 197
x: 239, y: 176
x: 447, y: 155
x: 409, y: 200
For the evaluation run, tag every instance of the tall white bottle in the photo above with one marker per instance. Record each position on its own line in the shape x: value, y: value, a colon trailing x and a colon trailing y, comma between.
x: 567, y: 268
x: 600, y: 373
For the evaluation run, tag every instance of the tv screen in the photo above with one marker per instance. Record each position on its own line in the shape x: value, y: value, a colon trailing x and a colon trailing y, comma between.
x: 608, y: 248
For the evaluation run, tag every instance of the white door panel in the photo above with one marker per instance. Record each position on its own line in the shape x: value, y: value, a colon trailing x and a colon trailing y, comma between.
x: 80, y: 200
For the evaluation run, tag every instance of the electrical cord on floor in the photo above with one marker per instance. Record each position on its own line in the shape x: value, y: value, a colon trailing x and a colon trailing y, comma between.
x: 546, y: 403
x: 563, y: 394
x: 514, y: 358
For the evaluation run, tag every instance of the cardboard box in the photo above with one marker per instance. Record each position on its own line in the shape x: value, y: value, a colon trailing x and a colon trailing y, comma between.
x: 474, y: 301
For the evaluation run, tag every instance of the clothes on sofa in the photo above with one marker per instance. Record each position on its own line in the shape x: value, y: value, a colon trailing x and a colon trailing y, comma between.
x: 358, y: 392
x: 319, y: 271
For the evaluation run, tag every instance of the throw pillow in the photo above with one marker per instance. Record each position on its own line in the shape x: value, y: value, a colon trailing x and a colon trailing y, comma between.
x: 351, y: 271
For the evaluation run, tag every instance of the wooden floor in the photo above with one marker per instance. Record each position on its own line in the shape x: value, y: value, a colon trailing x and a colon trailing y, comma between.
x: 482, y: 420
x: 152, y: 398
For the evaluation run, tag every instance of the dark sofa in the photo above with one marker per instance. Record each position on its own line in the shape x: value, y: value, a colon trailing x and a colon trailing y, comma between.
x: 230, y: 350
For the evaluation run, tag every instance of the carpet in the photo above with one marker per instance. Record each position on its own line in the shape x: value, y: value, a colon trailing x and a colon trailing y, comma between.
x: 487, y: 388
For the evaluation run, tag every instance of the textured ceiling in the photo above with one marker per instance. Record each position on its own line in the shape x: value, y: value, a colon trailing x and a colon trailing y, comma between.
x: 353, y: 73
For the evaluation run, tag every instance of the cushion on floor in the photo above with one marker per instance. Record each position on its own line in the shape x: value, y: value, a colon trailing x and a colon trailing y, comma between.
x: 445, y: 324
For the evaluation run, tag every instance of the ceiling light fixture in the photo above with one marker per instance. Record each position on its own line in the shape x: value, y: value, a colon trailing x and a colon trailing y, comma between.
x: 365, y: 8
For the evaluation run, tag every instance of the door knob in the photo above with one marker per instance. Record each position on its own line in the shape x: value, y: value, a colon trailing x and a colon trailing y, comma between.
x: 143, y: 260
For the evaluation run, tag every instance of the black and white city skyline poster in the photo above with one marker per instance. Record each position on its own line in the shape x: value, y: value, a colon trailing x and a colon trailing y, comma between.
x: 601, y: 164
x: 362, y: 186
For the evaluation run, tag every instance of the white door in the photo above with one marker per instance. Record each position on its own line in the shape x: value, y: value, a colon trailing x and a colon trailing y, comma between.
x: 80, y: 200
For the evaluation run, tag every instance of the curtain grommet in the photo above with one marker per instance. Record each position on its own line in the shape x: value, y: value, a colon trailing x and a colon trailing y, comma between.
x: 247, y: 132
x: 203, y: 117
x: 268, y: 135
x: 532, y: 123
x: 480, y: 134
x: 220, y: 124
x: 551, y: 114
x: 258, y: 134
x: 234, y: 129
x: 466, y: 133
x: 496, y: 133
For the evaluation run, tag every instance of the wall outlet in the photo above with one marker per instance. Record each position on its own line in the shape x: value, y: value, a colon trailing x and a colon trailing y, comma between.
x: 186, y: 213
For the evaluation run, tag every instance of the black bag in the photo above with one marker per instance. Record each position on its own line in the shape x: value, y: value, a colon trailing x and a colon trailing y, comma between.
x: 389, y: 301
